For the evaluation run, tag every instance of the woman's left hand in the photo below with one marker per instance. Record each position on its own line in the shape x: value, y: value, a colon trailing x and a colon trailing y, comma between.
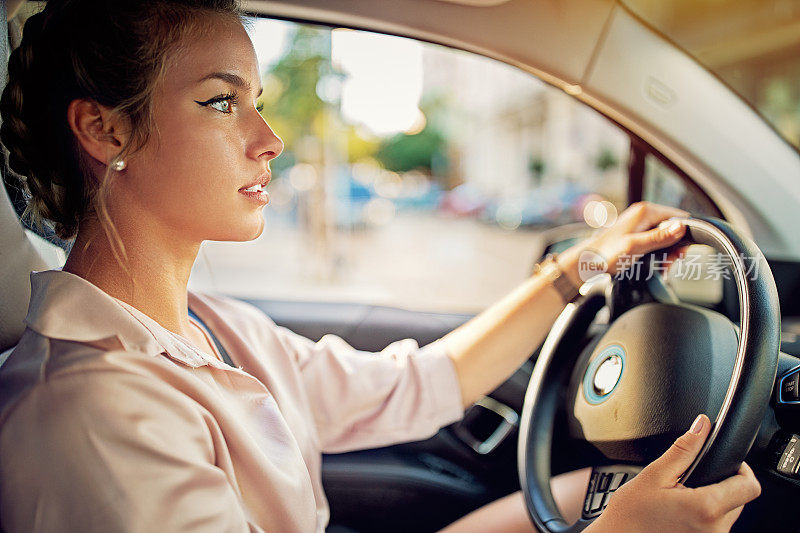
x: 641, y: 228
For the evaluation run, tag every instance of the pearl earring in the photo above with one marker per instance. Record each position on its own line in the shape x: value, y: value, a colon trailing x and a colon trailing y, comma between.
x: 119, y: 165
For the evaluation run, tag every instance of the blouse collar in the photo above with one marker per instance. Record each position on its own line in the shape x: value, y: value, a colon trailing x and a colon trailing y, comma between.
x: 68, y: 307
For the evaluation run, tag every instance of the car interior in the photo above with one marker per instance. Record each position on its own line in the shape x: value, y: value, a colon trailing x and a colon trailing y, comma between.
x: 423, y: 486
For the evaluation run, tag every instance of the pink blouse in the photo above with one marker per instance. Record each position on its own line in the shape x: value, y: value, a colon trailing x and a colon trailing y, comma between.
x: 110, y: 422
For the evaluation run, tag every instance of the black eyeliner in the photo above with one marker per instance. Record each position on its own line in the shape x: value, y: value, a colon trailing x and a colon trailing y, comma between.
x: 234, y: 99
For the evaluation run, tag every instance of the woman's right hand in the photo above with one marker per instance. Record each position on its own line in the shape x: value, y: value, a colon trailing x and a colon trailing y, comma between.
x: 655, y: 501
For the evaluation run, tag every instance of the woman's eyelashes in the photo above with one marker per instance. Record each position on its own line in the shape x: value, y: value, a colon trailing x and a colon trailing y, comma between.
x: 224, y: 103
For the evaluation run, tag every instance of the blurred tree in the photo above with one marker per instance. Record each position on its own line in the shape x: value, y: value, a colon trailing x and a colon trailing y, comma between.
x: 360, y: 147
x: 294, y: 109
x: 536, y: 167
x: 426, y: 150
x: 606, y: 160
x: 401, y: 152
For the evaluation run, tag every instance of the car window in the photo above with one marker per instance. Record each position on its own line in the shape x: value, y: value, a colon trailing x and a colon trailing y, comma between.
x: 698, y: 278
x: 663, y: 185
x: 413, y: 175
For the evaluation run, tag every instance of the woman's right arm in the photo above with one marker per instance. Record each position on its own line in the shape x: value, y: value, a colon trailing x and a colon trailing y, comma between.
x: 655, y: 501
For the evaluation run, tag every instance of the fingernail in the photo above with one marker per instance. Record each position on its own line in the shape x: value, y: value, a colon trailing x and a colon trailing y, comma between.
x: 675, y: 227
x: 697, y: 425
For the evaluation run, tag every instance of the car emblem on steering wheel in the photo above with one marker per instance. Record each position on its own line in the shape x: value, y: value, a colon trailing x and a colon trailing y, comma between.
x: 603, y: 374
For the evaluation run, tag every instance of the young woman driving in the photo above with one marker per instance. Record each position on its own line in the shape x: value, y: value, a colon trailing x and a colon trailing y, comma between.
x: 135, y: 127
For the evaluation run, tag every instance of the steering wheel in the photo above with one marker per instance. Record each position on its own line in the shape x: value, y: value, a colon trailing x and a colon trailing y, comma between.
x: 617, y: 400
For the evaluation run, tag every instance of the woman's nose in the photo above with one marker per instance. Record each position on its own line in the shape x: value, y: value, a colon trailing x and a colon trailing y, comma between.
x: 266, y: 143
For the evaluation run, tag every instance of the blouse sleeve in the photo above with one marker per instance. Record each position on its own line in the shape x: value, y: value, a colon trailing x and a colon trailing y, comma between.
x: 365, y: 400
x: 111, y: 451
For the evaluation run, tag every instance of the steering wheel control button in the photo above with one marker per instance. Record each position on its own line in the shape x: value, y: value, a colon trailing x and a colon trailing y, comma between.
x: 790, y: 387
x: 604, y: 374
x: 587, y: 503
x: 619, y: 479
x: 788, y: 463
x: 604, y: 481
x: 597, y: 502
x: 606, y: 497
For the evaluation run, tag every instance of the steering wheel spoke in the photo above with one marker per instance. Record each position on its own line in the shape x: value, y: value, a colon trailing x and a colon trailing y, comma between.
x: 575, y: 453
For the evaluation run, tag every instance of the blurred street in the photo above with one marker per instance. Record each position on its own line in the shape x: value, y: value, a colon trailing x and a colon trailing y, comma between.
x: 475, y: 264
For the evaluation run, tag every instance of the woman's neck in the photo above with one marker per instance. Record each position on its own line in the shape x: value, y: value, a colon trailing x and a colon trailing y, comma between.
x: 155, y: 278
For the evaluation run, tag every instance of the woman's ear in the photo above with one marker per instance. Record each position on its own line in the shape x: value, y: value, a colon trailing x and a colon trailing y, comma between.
x: 100, y: 132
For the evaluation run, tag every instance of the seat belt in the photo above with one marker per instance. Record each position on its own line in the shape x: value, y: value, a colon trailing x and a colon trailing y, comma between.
x: 222, y: 351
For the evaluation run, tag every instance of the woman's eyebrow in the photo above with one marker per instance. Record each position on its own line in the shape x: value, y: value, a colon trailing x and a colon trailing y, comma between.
x: 230, y: 77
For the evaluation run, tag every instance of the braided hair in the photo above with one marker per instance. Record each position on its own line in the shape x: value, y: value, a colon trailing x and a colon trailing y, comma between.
x: 111, y: 52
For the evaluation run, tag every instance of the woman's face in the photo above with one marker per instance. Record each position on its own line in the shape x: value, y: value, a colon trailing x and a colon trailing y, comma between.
x: 211, y: 142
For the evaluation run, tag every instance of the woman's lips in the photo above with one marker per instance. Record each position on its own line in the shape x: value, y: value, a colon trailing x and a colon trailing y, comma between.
x: 256, y: 191
x: 260, y: 196
x: 263, y: 180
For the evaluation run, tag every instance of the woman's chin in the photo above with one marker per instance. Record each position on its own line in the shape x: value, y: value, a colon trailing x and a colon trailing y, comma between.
x: 243, y: 232
x: 258, y: 233
x: 256, y: 229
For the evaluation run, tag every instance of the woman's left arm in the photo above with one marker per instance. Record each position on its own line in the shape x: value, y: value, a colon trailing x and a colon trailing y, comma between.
x: 491, y: 346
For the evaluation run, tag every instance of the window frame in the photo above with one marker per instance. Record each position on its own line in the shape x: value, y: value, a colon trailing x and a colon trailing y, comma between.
x: 639, y: 152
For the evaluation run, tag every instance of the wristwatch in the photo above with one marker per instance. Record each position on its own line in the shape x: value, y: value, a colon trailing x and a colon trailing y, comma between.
x: 551, y: 271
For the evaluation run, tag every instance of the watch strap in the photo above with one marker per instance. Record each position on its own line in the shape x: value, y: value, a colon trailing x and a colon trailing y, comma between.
x: 555, y: 275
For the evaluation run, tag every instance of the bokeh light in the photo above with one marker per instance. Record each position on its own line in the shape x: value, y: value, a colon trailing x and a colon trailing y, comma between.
x: 600, y: 214
x: 303, y: 177
x: 379, y: 211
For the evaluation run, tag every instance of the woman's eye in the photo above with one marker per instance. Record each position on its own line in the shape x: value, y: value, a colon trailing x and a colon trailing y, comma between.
x: 260, y: 107
x: 223, y: 103
x: 223, y: 106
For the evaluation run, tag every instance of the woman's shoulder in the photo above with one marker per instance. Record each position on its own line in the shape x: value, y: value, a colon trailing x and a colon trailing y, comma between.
x: 85, y: 422
x: 237, y: 320
x: 40, y: 367
x: 227, y: 305
x: 228, y: 315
